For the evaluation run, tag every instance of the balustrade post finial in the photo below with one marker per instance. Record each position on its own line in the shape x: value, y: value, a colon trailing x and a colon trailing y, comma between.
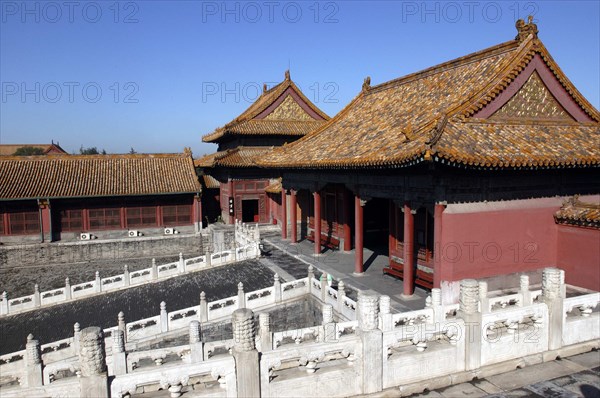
x: 37, y: 300
x: 203, y: 315
x: 368, y: 310
x: 4, y: 308
x: 154, y: 270
x: 469, y: 296
x: 33, y: 362
x: 244, y: 353
x: 196, y: 345
x: 244, y: 330
x: 277, y: 288
x: 92, y: 355
x: 241, y: 296
x: 164, y: 317
x: 119, y: 356
x: 97, y: 282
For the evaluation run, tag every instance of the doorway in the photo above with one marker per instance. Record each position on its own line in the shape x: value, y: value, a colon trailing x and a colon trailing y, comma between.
x: 250, y: 210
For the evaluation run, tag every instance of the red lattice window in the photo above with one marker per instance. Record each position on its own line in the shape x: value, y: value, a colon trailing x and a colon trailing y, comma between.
x: 177, y: 215
x: 24, y: 223
x: 105, y: 218
x: 141, y: 216
x: 71, y: 220
x: 1, y: 224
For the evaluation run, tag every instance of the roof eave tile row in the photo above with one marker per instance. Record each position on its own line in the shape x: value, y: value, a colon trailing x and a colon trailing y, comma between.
x: 78, y: 176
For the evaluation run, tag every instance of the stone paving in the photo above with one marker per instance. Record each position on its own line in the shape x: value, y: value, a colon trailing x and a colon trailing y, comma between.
x: 19, y: 281
x: 56, y: 322
x: 576, y: 376
x: 341, y: 266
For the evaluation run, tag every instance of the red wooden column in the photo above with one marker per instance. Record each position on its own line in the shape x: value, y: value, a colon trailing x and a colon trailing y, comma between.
x: 283, y: 214
x: 346, y: 229
x: 197, y: 212
x: 437, y: 244
x: 293, y: 216
x: 45, y: 219
x: 232, y: 197
x: 358, y: 235
x: 317, y: 221
x: 409, y: 251
x: 392, y: 227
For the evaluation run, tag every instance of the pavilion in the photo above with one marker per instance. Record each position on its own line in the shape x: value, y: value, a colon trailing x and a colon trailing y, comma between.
x: 281, y: 115
x: 456, y: 170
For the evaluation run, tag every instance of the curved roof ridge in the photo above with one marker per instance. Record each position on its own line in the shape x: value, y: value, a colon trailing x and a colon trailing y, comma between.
x: 265, y: 162
x: 454, y: 63
x: 266, y: 99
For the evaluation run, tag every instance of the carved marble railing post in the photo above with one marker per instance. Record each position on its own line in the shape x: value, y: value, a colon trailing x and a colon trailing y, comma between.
x: 468, y: 311
x: 119, y: 356
x: 324, y: 286
x: 245, y: 354
x: 76, y: 336
x: 277, y: 288
x: 563, y: 285
x: 208, y: 259
x: 203, y: 314
x: 92, y: 361
x: 164, y: 317
x: 329, y: 329
x: 341, y: 294
x: 4, y: 308
x: 552, y: 296
x: 181, y: 264
x: 371, y: 341
x: 439, y: 315
x: 67, y: 289
x: 241, y: 296
x: 121, y: 325
x: 37, y: 301
x: 484, y: 301
x: 33, y: 363
x: 154, y: 270
x: 196, y: 345
x: 310, y: 275
x: 524, y: 288
x: 126, y: 279
x: 264, y: 332
x: 97, y: 283
x: 385, y: 314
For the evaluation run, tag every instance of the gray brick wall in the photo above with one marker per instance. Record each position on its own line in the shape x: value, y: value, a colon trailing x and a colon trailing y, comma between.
x: 105, y: 249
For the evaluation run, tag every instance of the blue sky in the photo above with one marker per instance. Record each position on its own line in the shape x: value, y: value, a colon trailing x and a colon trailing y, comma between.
x: 157, y: 75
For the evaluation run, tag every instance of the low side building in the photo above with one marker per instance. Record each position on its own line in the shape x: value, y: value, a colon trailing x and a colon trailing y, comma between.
x: 281, y: 115
x: 70, y: 197
x: 45, y: 149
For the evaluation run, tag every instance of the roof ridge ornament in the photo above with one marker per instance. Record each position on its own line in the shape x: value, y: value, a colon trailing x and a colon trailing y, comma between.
x: 366, y: 84
x: 287, y: 75
x: 264, y: 88
x: 526, y: 29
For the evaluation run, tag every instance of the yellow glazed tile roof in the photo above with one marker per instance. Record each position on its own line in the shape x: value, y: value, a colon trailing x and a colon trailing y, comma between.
x: 26, y: 177
x: 429, y: 115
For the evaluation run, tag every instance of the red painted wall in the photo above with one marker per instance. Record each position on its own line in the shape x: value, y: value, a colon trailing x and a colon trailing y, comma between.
x: 578, y: 253
x: 482, y: 240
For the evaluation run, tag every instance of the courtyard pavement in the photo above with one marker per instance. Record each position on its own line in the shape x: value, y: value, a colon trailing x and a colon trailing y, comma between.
x: 341, y: 266
x: 575, y: 376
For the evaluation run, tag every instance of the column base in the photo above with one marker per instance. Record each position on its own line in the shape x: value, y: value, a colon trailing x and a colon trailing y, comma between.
x: 358, y: 273
x: 409, y: 296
